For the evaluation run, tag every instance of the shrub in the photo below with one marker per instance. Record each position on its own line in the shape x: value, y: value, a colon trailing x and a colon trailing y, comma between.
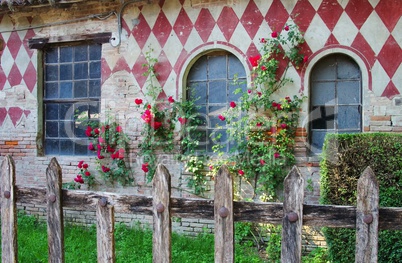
x: 345, y: 156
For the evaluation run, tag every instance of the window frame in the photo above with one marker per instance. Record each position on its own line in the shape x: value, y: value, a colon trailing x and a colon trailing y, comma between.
x: 360, y: 79
x: 211, y: 53
x: 40, y: 44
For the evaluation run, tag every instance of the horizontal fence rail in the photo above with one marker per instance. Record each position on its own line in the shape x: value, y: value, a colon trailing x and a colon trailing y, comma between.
x: 366, y: 217
x: 268, y: 212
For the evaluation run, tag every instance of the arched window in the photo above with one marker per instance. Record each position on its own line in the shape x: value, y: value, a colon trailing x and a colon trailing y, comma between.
x: 335, y: 98
x: 211, y: 82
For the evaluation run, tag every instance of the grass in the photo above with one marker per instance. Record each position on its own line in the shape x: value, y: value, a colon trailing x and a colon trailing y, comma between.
x: 132, y: 244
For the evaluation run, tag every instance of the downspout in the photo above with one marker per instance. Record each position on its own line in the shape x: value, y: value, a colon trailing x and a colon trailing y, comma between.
x: 119, y: 26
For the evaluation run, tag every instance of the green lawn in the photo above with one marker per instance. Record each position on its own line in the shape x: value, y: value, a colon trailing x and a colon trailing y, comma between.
x: 132, y: 245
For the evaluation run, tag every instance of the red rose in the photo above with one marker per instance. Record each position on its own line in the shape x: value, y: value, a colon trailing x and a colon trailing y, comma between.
x: 91, y: 147
x: 88, y: 131
x: 277, y: 155
x: 156, y: 125
x: 263, y: 68
x: 259, y: 94
x: 288, y: 99
x: 138, y: 101
x: 263, y: 40
x: 145, y: 167
x: 100, y: 156
x: 232, y: 104
x: 147, y: 116
x: 149, y: 106
x: 254, y: 60
x: 249, y: 91
x: 182, y: 120
x: 85, y: 166
x: 80, y: 164
x: 120, y: 154
x: 274, y: 34
x: 262, y: 162
x: 96, y: 131
x: 109, y: 149
x: 79, y: 179
x: 241, y: 172
x: 119, y: 129
x: 211, y: 167
x: 221, y: 117
x: 87, y: 173
x: 274, y: 104
x: 259, y: 124
x: 105, y: 169
x: 170, y: 99
x: 284, y: 125
x: 286, y: 28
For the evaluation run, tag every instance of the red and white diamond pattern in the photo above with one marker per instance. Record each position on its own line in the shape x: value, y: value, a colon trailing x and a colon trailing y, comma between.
x: 174, y: 30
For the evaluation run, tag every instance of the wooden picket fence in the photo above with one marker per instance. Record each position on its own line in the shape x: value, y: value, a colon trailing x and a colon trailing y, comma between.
x: 367, y: 217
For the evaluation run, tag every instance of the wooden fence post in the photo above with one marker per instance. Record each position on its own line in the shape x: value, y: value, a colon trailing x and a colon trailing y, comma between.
x: 293, y: 217
x: 55, y: 226
x: 162, y: 250
x: 223, y: 215
x: 8, y: 212
x: 105, y: 231
x: 367, y: 218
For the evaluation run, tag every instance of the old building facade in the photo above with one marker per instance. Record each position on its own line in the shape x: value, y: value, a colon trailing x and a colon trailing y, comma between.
x: 360, y: 36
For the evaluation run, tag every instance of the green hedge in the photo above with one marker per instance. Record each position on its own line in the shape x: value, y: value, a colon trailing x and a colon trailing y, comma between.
x: 345, y: 156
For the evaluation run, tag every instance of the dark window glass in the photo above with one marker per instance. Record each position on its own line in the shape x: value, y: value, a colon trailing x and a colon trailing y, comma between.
x: 66, y: 54
x: 95, y: 70
x: 52, y: 90
x: 52, y: 73
x: 335, y: 99
x: 211, y: 85
x: 66, y: 90
x: 71, y: 93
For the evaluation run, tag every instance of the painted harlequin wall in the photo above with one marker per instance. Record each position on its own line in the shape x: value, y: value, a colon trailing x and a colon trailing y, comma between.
x: 178, y: 31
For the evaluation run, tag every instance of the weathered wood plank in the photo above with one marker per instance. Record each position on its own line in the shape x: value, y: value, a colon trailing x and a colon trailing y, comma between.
x: 161, y: 249
x: 272, y: 213
x: 105, y: 232
x: 8, y: 212
x: 55, y: 225
x: 292, y: 222
x: 223, y: 215
x: 367, y: 218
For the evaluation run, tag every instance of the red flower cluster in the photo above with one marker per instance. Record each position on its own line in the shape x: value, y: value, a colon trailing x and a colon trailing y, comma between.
x: 145, y: 167
x: 83, y: 171
x: 119, y: 154
x: 276, y: 105
x: 148, y: 117
x: 105, y: 169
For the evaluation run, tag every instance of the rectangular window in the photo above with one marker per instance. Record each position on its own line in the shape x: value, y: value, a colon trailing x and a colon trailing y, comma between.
x: 72, y: 90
